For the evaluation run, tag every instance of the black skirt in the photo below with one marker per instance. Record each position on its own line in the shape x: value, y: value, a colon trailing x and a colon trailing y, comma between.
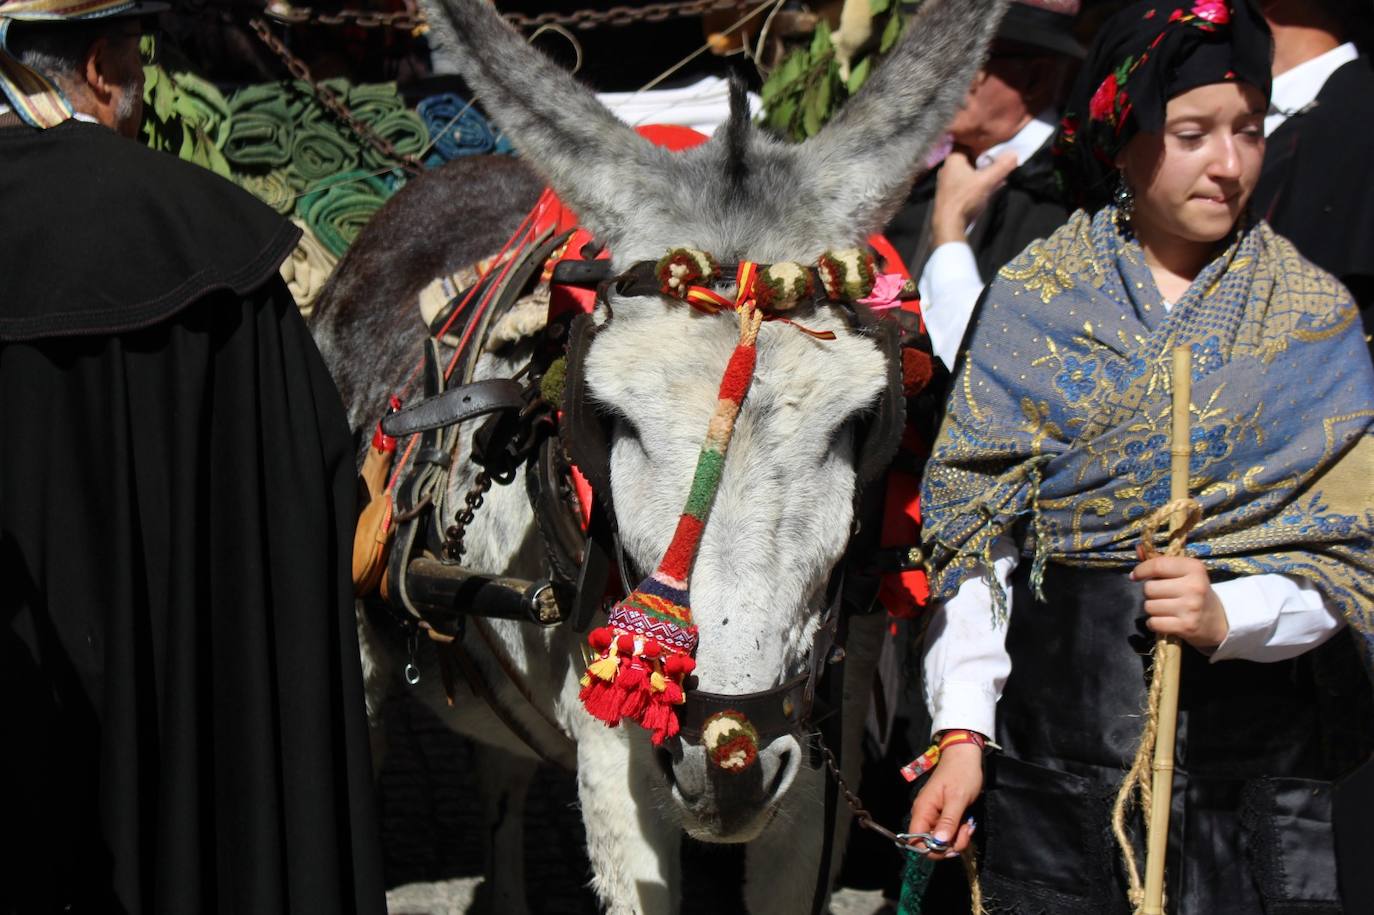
x: 1265, y: 755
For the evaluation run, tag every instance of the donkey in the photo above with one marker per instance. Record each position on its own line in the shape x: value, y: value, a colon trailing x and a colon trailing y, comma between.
x: 783, y: 513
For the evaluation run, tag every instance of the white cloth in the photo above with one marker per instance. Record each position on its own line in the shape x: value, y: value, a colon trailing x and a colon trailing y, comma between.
x: 702, y: 106
x: 1271, y: 618
x: 1297, y: 88
x: 949, y: 283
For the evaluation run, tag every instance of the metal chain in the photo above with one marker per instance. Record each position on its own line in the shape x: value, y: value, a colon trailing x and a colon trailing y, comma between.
x: 861, y: 814
x: 455, y: 532
x: 624, y: 15
x: 406, y: 20
x: 331, y: 100
x: 409, y: 20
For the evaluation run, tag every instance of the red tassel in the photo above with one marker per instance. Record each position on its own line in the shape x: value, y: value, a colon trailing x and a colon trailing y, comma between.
x: 633, y: 684
x: 601, y: 701
x: 660, y: 719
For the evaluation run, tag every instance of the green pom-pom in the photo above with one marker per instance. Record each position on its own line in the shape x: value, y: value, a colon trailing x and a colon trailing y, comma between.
x: 555, y: 380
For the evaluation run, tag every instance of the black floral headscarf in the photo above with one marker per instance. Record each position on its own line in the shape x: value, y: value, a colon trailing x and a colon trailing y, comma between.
x: 1142, y: 57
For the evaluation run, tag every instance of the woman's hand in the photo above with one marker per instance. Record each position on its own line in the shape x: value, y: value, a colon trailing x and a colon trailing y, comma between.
x: 1180, y: 601
x: 940, y: 805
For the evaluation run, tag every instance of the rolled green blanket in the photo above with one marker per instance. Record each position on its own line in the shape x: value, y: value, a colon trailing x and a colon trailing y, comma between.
x: 404, y: 130
x: 370, y: 102
x: 321, y: 150
x: 338, y: 210
x: 260, y: 126
x: 202, y: 105
x: 271, y: 188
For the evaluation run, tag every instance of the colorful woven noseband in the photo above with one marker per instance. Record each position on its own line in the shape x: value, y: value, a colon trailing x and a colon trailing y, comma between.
x: 645, y: 653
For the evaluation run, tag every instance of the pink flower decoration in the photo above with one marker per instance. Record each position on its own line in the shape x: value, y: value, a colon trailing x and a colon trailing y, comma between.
x: 886, y: 288
x: 1214, y: 11
x: 1102, y: 104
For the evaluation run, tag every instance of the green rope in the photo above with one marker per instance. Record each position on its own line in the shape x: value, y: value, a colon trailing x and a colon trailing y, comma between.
x: 915, y: 880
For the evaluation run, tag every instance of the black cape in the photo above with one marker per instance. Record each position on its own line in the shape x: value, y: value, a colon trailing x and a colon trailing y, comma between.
x: 1313, y: 187
x: 1029, y: 206
x: 179, y: 671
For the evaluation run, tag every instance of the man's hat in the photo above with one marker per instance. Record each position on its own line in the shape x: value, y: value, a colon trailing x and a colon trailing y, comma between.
x: 1043, y: 24
x: 34, y: 97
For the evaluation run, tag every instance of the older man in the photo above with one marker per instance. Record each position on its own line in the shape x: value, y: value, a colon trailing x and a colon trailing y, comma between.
x: 1312, y: 188
x: 179, y: 675
x: 995, y: 192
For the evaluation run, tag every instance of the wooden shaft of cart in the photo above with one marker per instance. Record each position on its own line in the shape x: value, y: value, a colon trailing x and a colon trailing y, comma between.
x: 1168, y: 656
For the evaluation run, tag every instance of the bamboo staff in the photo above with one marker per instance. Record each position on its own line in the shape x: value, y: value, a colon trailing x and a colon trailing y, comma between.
x: 1150, y: 776
x: 1167, y: 654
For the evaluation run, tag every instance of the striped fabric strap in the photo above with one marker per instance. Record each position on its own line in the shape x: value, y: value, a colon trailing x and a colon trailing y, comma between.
x: 35, y: 98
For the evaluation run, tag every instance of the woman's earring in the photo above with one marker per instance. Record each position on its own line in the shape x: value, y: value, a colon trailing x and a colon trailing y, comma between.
x: 1124, y: 200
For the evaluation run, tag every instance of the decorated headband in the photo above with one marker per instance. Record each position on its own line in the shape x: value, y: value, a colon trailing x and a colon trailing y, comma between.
x: 35, y: 98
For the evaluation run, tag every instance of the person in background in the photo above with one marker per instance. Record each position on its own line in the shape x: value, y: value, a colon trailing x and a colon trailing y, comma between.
x: 1056, y: 447
x: 1320, y: 131
x: 995, y: 191
x: 180, y: 682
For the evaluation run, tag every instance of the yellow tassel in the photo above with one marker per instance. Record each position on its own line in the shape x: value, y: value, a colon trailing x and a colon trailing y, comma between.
x: 586, y: 680
x: 604, y: 669
x: 657, y: 683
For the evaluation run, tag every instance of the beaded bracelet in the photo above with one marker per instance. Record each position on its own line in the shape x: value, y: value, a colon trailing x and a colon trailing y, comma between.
x: 946, y: 739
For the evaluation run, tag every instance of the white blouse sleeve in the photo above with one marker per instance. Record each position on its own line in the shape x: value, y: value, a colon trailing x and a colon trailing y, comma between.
x: 949, y: 286
x: 1272, y: 617
x: 966, y: 661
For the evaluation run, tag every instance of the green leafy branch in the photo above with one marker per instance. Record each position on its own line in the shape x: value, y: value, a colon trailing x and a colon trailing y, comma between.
x: 807, y: 87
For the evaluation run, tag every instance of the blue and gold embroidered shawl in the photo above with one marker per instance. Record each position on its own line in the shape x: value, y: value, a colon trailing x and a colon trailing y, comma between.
x: 1058, y: 424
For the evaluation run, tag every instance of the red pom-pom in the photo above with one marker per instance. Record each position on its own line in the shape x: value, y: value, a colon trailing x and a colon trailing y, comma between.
x: 679, y: 665
x: 600, y: 638
x: 625, y: 644
x: 652, y: 649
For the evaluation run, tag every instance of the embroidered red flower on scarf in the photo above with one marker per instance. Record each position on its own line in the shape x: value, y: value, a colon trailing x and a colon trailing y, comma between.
x: 1214, y: 11
x: 1103, y: 102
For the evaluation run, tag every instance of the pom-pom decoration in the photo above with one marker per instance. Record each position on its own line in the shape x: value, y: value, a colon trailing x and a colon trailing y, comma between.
x: 847, y: 275
x: 732, y: 743
x: 682, y: 268
x: 781, y: 286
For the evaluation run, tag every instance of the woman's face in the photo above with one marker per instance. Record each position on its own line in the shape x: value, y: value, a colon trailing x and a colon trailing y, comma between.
x: 1192, y: 181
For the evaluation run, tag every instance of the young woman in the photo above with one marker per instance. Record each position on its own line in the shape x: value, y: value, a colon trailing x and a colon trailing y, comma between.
x: 1056, y: 446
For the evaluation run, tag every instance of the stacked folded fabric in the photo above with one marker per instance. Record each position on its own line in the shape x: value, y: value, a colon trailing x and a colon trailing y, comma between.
x: 281, y: 144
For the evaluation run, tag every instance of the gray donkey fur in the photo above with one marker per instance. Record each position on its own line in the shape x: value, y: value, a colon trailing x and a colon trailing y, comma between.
x: 783, y: 512
x: 744, y: 193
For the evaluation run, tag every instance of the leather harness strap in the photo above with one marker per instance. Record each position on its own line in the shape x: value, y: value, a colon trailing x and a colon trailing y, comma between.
x: 455, y: 406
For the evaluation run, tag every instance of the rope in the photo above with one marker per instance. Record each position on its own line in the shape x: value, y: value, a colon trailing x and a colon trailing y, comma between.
x: 1137, y: 781
x: 975, y: 887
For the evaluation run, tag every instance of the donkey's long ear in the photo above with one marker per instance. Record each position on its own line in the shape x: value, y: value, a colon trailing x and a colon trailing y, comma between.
x: 597, y: 164
x: 866, y: 157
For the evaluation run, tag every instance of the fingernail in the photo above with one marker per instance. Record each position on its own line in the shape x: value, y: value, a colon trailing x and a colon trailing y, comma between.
x: 953, y: 854
x: 941, y: 836
x: 972, y: 824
